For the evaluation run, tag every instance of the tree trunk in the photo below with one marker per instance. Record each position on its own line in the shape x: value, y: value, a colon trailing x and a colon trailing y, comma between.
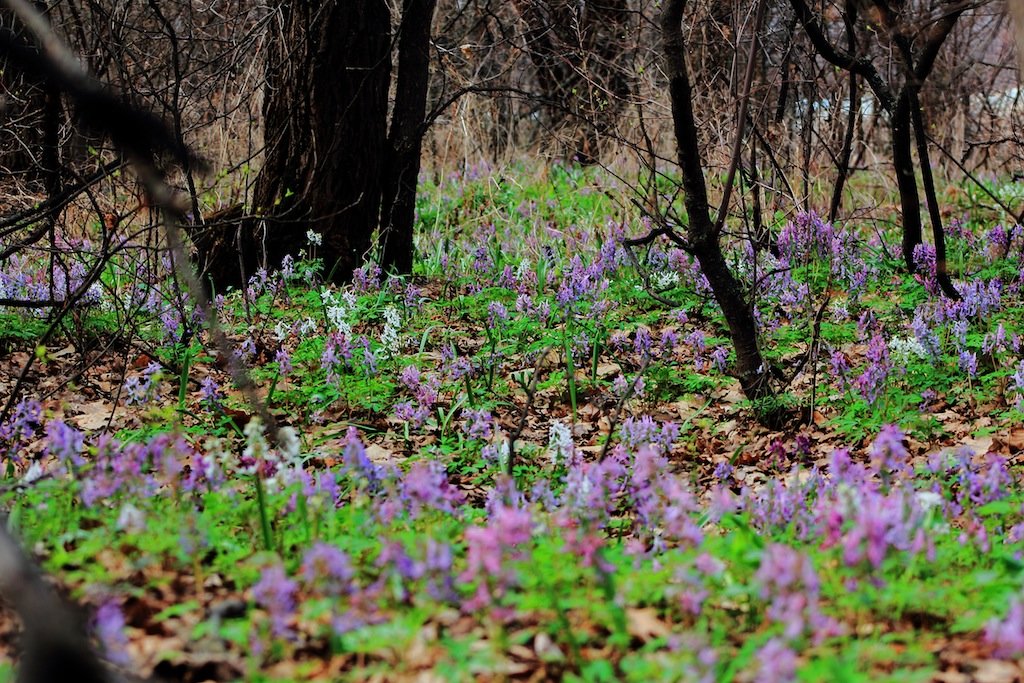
x: 398, y: 203
x: 931, y: 200
x: 701, y: 235
x: 325, y: 121
x: 906, y: 180
x: 325, y: 114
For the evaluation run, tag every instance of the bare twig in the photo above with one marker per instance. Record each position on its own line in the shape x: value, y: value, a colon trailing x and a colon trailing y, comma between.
x: 531, y: 392
x: 613, y: 421
x: 741, y: 118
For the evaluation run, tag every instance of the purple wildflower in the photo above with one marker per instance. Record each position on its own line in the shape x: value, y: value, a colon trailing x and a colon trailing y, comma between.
x: 968, y: 361
x: 20, y: 427
x: 109, y: 625
x: 776, y: 663
x: 490, y: 549
x: 426, y: 485
x: 719, y: 357
x: 1006, y: 635
x: 357, y: 463
x: 65, y: 443
x: 367, y: 278
x: 284, y: 362
x: 328, y: 568
x: 642, y: 342
x: 872, y: 381
x: 410, y: 377
x: 209, y: 392
x: 479, y: 424
x: 723, y: 472
x: 888, y: 454
x: 496, y: 313
x: 275, y: 593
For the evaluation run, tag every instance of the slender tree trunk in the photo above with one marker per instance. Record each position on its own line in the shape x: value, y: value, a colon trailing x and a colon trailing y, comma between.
x: 932, y: 200
x: 701, y: 235
x: 53, y: 174
x: 847, y: 152
x: 850, y: 17
x: 401, y: 173
x: 906, y: 180
x: 325, y: 120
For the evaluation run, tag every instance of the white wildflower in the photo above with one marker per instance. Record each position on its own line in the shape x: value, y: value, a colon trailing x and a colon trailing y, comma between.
x: 927, y: 500
x: 559, y: 442
x: 839, y: 311
x: 256, y: 446
x: 338, y: 317
x: 281, y: 330
x: 95, y: 293
x: 503, y: 455
x: 389, y: 338
x: 131, y: 519
x: 904, y: 349
x: 664, y: 279
x: 314, y: 238
x: 34, y: 473
x: 288, y: 442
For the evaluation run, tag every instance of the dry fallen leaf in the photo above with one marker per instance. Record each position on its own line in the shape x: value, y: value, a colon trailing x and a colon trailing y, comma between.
x: 980, y: 445
x: 643, y: 623
x: 94, y: 415
x: 380, y: 455
x: 546, y: 648
x: 995, y: 671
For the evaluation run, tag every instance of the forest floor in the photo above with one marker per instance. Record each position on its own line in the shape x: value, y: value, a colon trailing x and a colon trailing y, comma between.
x: 866, y: 523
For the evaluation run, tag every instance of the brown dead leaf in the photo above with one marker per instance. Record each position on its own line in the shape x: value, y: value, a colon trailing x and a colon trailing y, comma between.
x: 1016, y: 440
x: 95, y: 415
x: 644, y: 623
x: 66, y: 351
x: 728, y: 427
x: 547, y: 650
x: 980, y: 444
x: 1010, y: 442
x: 687, y: 408
x: 732, y: 394
x: 380, y: 455
x: 995, y: 671
x: 522, y: 652
x: 582, y: 429
x: 950, y: 677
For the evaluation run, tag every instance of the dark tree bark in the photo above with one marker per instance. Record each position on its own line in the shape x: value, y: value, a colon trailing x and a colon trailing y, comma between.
x: 906, y: 179
x: 405, y: 139
x: 328, y: 69
x: 702, y: 238
x: 931, y: 197
x: 325, y: 116
x: 332, y: 165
